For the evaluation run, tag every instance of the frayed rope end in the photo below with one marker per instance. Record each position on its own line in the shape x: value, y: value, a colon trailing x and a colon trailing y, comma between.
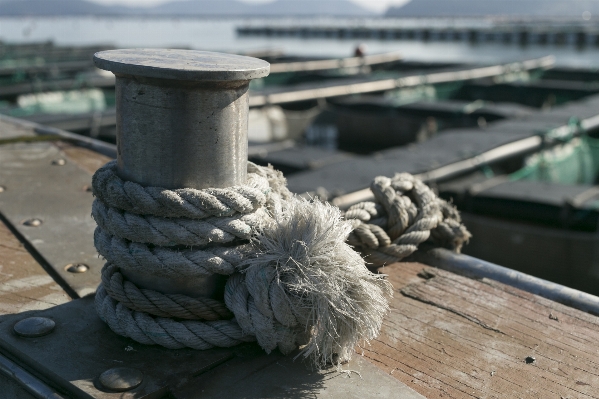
x: 310, y: 288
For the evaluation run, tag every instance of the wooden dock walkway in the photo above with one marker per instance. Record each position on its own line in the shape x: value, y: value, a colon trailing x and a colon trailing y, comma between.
x: 446, y: 336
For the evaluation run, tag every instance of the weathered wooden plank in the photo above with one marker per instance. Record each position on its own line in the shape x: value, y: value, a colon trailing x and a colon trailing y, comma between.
x: 24, y: 284
x: 448, y: 336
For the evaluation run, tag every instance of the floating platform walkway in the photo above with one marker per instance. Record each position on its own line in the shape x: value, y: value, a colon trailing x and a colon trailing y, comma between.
x: 312, y: 91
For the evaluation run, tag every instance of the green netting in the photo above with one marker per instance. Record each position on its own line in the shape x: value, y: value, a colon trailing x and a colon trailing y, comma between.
x: 575, y: 162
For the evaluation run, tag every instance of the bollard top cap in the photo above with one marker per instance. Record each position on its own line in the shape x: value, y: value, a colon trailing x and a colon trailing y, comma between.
x: 182, y: 64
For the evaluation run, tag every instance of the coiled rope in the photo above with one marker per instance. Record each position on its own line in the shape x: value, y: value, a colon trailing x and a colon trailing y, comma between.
x: 406, y: 214
x: 294, y: 280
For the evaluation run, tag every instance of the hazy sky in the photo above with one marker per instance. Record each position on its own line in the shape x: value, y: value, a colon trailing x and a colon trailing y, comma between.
x: 376, y: 5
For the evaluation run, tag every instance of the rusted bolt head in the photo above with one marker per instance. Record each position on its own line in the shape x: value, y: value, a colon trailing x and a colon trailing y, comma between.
x: 33, y: 222
x: 121, y: 379
x: 33, y: 327
x: 59, y: 162
x: 76, y: 268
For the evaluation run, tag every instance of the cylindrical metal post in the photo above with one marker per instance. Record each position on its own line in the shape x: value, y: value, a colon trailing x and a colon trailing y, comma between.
x: 181, y: 115
x: 181, y: 122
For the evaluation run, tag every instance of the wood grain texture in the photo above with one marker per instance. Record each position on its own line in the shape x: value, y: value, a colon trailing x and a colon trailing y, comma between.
x: 24, y: 284
x: 448, y: 336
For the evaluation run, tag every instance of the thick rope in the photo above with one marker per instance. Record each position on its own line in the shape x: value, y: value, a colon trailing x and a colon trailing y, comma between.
x: 293, y: 280
x: 188, y: 203
x: 306, y: 286
x: 166, y: 262
x: 405, y: 215
x: 158, y: 304
x: 175, y: 231
x: 167, y: 332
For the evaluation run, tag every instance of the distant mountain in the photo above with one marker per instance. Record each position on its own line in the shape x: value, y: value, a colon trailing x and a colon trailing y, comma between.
x: 45, y: 7
x: 313, y: 7
x: 532, y: 8
x: 279, y: 7
x: 201, y: 7
x: 185, y: 8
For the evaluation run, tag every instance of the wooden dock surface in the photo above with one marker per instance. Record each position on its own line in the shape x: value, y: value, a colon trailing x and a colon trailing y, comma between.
x: 24, y: 284
x: 449, y: 336
x: 446, y: 336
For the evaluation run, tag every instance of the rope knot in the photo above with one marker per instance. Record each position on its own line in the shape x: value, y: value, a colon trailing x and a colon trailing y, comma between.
x: 313, y: 290
x: 410, y: 214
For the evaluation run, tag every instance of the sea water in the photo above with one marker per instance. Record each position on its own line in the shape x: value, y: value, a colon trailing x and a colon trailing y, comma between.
x: 219, y: 34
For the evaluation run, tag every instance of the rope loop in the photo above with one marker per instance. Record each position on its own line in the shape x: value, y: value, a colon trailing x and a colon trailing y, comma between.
x: 175, y: 231
x: 167, y: 332
x: 158, y: 304
x: 166, y: 262
x: 186, y: 202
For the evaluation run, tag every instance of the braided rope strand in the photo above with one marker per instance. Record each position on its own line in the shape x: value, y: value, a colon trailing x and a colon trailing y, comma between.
x: 158, y: 304
x: 175, y: 231
x: 187, y: 202
x: 406, y: 214
x: 166, y: 262
x: 166, y: 332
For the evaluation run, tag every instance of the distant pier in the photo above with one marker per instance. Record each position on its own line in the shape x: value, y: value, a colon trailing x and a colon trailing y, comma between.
x: 522, y: 35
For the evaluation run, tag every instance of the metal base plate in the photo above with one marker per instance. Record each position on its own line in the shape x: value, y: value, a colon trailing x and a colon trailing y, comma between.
x: 82, y: 347
x: 39, y: 187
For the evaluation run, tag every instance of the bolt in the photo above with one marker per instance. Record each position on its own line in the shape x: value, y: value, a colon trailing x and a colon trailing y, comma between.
x: 121, y: 379
x: 2, y: 189
x: 59, y: 162
x: 34, y: 222
x: 76, y: 268
x: 33, y: 327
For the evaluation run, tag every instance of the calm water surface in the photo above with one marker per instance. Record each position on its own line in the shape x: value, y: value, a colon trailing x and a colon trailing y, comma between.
x: 219, y: 34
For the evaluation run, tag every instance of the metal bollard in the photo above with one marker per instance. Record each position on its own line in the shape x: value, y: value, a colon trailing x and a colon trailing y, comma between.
x: 181, y: 122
